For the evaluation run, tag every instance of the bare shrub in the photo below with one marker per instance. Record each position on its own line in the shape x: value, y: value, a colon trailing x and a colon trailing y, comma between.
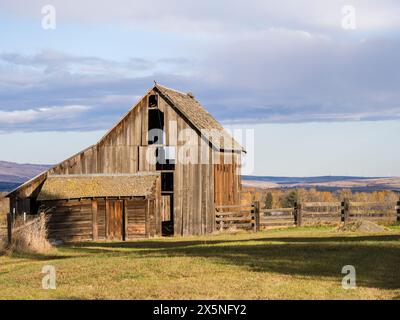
x: 30, y: 237
x: 3, y: 246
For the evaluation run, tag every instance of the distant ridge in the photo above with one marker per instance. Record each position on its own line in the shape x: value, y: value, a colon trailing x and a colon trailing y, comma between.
x: 306, y: 179
x: 328, y: 183
x: 14, y: 174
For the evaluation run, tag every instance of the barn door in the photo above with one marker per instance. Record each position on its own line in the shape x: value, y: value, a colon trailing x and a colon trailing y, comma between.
x: 114, y: 219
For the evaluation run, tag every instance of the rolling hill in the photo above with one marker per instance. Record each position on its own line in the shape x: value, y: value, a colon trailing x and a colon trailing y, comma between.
x: 13, y: 174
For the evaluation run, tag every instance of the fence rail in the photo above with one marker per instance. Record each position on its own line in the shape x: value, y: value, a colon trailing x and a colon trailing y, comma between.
x: 237, y: 217
x: 251, y: 217
x: 279, y: 217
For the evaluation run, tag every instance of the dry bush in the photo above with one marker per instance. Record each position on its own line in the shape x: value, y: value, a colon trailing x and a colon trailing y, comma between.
x: 4, y: 208
x: 30, y: 237
x: 4, y: 203
x: 3, y: 245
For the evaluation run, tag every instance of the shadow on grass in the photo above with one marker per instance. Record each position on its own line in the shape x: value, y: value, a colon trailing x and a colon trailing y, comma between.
x: 38, y: 256
x: 376, y: 258
x: 34, y: 255
x: 162, y: 244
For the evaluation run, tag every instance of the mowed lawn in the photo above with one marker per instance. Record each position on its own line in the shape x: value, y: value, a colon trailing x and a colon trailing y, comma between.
x: 287, y: 264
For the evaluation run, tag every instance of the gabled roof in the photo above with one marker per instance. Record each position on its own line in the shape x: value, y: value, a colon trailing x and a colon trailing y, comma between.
x: 195, y: 113
x: 65, y: 187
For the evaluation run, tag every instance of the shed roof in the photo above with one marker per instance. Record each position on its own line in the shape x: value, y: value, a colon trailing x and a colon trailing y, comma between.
x: 211, y: 129
x: 60, y: 187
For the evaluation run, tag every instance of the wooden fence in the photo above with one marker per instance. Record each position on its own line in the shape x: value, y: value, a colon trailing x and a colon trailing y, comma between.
x: 251, y: 217
x: 245, y: 217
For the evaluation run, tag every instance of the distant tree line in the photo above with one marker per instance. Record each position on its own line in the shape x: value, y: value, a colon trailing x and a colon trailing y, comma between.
x: 286, y: 198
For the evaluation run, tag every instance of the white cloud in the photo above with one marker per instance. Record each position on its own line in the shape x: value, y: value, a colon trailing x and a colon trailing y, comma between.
x: 211, y: 17
x: 41, y: 114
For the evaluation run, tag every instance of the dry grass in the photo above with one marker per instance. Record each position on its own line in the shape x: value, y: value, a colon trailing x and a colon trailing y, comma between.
x: 302, y: 263
x: 4, y: 209
x: 4, y: 204
x: 30, y: 237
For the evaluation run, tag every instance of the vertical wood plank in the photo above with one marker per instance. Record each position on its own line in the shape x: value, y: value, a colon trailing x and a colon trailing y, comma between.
x: 9, y: 227
x: 94, y: 220
x: 125, y: 221
x: 147, y: 220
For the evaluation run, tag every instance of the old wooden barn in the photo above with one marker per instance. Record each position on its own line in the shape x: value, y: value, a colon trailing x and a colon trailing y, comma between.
x: 161, y: 170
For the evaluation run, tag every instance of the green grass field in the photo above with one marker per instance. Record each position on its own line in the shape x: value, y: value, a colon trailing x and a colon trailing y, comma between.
x: 303, y: 263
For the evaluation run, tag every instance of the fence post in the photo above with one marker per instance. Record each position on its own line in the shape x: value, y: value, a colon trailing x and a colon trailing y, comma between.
x: 256, y: 206
x: 9, y: 227
x: 298, y: 214
x: 42, y: 220
x: 345, y: 210
x: 398, y: 211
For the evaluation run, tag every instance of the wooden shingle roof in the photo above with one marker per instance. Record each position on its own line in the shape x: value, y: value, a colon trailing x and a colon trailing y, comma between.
x: 64, y: 187
x: 212, y: 130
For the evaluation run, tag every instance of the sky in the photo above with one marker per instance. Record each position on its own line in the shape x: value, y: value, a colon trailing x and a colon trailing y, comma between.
x: 317, y: 83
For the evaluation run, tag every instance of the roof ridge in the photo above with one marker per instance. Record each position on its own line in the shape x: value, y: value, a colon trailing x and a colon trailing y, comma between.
x: 137, y: 174
x: 168, y: 88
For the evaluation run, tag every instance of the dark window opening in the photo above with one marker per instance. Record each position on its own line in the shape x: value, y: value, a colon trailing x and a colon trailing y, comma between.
x: 167, y: 181
x: 165, y: 158
x: 156, y: 127
x: 153, y: 101
x: 33, y: 206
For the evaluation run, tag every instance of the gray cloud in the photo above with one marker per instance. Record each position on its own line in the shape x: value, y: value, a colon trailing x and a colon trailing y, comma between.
x: 209, y: 16
x: 265, y: 62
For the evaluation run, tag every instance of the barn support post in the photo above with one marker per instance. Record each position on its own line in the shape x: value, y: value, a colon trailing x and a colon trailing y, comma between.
x: 95, y: 232
x: 398, y: 211
x: 9, y: 227
x: 256, y: 207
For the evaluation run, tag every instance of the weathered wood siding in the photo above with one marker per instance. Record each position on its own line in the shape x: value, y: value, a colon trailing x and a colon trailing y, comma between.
x: 100, y: 219
x: 227, y: 180
x: 136, y: 219
x: 70, y: 220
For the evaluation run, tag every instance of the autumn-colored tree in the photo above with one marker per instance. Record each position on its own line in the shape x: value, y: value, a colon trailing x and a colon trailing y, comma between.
x: 269, y: 201
x: 291, y: 199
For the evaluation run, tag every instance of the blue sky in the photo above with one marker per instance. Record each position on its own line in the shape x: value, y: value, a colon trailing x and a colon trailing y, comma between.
x: 288, y: 70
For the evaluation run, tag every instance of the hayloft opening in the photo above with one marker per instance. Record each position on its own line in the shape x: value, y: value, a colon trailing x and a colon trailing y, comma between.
x: 153, y: 101
x: 156, y: 127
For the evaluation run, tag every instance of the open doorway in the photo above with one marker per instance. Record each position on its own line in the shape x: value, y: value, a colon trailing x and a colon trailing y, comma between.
x: 167, y: 203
